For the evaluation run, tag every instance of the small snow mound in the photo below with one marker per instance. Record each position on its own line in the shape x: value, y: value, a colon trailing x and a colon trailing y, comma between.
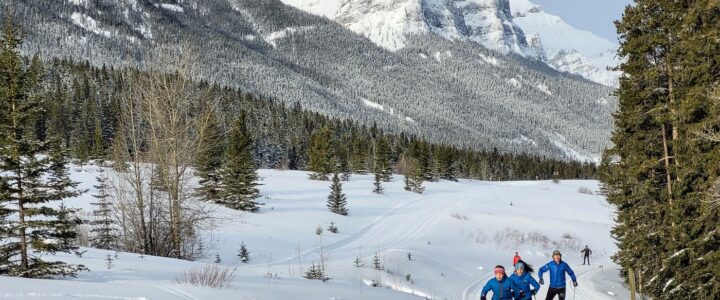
x: 171, y: 7
x: 544, y: 88
x: 611, y: 293
x: 374, y: 105
x: 423, y: 56
x: 515, y: 83
x: 489, y: 59
x: 408, y: 119
x: 78, y: 2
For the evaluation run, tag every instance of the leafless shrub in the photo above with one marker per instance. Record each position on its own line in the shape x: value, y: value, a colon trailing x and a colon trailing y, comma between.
x: 585, y: 190
x: 511, y: 238
x: 210, y: 275
x: 460, y: 217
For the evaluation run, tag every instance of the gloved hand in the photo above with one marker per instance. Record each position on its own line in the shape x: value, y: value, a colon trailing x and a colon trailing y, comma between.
x: 574, y: 283
x: 522, y: 294
x: 542, y: 281
x: 483, y: 298
x: 533, y: 292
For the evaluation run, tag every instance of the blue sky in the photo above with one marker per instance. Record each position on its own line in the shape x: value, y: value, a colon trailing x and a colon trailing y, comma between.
x: 596, y: 16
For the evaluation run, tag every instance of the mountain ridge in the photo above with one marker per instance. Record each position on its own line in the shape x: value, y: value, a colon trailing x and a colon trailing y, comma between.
x: 456, y: 92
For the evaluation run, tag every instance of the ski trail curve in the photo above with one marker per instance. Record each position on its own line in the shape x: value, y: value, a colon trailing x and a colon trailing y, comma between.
x: 474, y: 289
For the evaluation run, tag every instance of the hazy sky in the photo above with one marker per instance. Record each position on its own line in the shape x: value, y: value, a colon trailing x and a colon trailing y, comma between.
x: 596, y: 16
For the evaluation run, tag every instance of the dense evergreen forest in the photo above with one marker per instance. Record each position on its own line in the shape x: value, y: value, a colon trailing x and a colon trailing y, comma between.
x: 663, y: 174
x: 83, y: 105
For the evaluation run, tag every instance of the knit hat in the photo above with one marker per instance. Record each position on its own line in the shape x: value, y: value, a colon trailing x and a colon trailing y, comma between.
x: 520, y: 265
x: 556, y: 252
x: 499, y: 270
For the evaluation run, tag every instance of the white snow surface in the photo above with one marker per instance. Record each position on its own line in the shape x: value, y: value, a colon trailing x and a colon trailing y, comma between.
x: 457, y: 232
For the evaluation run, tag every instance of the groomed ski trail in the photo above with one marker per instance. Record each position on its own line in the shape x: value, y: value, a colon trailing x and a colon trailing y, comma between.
x: 400, y: 225
x: 472, y: 292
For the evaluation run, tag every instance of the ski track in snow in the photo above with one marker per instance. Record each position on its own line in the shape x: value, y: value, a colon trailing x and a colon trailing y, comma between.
x: 177, y: 293
x: 401, y: 224
x: 474, y: 289
x: 581, y: 290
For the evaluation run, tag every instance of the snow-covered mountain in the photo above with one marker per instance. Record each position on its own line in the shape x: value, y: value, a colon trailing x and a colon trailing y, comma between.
x: 388, y: 23
x: 567, y: 48
x: 440, y: 84
x: 517, y: 26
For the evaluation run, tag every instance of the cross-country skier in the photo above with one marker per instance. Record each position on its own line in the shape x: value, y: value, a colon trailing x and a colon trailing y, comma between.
x: 502, y: 287
x: 586, y: 254
x: 516, y: 258
x: 557, y: 269
x: 523, y: 281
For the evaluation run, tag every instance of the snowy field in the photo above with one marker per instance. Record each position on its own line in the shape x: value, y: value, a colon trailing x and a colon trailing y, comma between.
x: 456, y: 233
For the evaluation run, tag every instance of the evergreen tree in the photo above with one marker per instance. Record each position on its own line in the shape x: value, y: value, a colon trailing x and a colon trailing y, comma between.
x: 359, y: 155
x: 210, y: 160
x: 377, y: 265
x: 239, y: 174
x: 336, y: 200
x: 413, y: 176
x: 104, y: 232
x: 322, y: 157
x: 243, y: 253
x: 378, y: 184
x: 382, y: 159
x: 30, y: 180
x: 660, y: 171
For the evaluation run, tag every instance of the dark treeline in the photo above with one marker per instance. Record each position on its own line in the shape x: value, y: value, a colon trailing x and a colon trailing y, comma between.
x: 84, y: 102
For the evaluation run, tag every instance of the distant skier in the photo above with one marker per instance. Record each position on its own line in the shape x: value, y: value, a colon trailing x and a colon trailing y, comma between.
x: 523, y: 281
x: 516, y: 258
x: 557, y: 269
x: 502, y: 287
x: 586, y: 255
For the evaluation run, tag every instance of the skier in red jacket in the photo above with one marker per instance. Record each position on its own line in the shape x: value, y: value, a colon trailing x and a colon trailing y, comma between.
x: 516, y: 258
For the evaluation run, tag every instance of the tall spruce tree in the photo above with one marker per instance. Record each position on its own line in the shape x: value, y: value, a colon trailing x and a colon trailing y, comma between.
x: 413, y: 176
x: 210, y: 160
x: 660, y: 171
x: 382, y: 165
x: 323, y: 160
x: 239, y: 173
x: 377, y: 183
x: 359, y: 155
x: 30, y: 179
x: 336, y: 200
x: 104, y: 231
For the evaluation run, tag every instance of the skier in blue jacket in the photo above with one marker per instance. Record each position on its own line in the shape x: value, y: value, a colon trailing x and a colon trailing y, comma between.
x: 502, y: 287
x: 523, y: 280
x: 557, y: 269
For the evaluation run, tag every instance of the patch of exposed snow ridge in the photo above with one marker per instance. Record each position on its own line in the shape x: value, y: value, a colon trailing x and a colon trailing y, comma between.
x: 171, y: 7
x: 281, y: 34
x: 88, y: 23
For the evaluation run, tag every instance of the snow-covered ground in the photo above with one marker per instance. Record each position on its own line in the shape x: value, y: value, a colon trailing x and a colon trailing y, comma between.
x: 456, y: 233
